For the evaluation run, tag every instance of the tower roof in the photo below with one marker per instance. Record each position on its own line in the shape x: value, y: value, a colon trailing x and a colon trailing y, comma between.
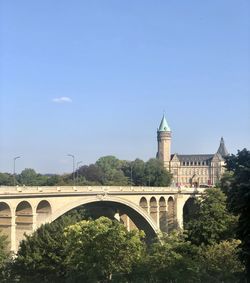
x: 164, y: 127
x: 222, y: 148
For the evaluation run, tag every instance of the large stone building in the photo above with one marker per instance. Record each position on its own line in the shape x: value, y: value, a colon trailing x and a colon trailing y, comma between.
x: 190, y: 169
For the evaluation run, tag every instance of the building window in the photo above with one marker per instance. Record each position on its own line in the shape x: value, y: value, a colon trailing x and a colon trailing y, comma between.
x: 183, y: 163
x: 191, y: 163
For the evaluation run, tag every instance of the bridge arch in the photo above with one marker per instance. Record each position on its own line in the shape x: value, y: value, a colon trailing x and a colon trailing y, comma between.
x: 137, y: 214
x: 153, y: 208
x: 43, y: 212
x: 24, y: 219
x: 5, y: 220
x: 171, y: 214
x: 163, y: 214
x: 189, y: 210
x: 144, y: 204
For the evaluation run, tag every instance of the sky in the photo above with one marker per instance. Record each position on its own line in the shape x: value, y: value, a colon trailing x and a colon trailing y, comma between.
x: 93, y: 78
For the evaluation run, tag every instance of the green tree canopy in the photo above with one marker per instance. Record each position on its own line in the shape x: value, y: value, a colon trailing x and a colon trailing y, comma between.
x: 219, y: 262
x: 236, y: 185
x: 92, y: 173
x: 111, y: 167
x: 156, y: 174
x: 211, y: 221
x: 28, y: 177
x: 102, y: 249
x: 171, y: 260
x: 6, y: 179
x: 150, y: 173
x: 41, y: 256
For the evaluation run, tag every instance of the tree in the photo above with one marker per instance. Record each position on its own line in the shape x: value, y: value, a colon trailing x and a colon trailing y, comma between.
x: 111, y: 167
x: 41, y: 256
x: 6, y: 179
x: 4, y: 258
x: 156, y: 174
x: 92, y: 173
x: 28, y: 177
x: 101, y: 250
x: 174, y: 259
x: 135, y: 172
x: 219, y: 262
x: 3, y: 251
x: 211, y: 221
x: 236, y: 185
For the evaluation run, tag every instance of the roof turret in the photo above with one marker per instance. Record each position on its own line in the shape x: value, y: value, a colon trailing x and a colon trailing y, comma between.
x: 222, y: 148
x: 164, y: 127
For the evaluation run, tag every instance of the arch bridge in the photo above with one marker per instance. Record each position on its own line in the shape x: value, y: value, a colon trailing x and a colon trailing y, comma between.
x: 152, y: 209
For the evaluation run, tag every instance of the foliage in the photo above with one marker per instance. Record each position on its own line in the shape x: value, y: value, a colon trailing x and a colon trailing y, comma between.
x: 4, y: 257
x: 107, y: 171
x: 111, y: 167
x: 156, y: 174
x: 236, y: 185
x: 171, y: 260
x: 138, y: 172
x: 219, y: 262
x: 6, y: 179
x: 71, y: 251
x: 92, y: 173
x: 150, y: 173
x: 41, y: 256
x: 114, y: 250
x: 3, y: 251
x: 211, y: 221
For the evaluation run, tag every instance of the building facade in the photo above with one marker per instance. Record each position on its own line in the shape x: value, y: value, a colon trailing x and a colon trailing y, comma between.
x: 190, y: 169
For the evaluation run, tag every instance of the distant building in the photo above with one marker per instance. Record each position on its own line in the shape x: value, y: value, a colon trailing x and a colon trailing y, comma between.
x: 190, y: 169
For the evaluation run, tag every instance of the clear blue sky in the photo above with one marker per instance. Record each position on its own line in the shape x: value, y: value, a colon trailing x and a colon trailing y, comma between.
x: 119, y: 65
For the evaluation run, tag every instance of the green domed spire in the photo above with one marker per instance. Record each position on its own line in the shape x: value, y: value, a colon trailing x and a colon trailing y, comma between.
x: 164, y: 127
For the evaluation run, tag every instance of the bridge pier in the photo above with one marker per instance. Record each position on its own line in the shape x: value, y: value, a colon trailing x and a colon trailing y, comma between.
x: 13, y: 244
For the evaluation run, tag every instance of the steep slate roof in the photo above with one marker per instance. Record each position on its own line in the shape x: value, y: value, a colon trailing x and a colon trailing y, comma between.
x: 194, y: 157
x: 164, y: 127
x: 222, y: 148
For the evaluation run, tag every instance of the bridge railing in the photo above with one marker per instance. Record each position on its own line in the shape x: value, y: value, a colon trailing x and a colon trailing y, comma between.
x: 9, y: 190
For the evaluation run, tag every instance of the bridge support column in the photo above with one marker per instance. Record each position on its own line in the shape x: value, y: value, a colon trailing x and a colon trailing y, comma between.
x: 13, y: 244
x: 128, y: 223
x: 158, y: 216
x: 34, y: 224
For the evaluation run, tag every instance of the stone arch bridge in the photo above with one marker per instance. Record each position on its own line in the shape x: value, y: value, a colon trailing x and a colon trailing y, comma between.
x: 152, y: 209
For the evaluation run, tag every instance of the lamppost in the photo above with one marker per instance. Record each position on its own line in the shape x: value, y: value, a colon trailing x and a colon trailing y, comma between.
x: 73, y: 159
x: 14, y: 169
x: 131, y: 174
x: 77, y: 170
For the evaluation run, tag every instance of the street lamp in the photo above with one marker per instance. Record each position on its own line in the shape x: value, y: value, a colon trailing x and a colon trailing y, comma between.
x: 131, y: 174
x: 77, y: 169
x: 73, y: 159
x: 14, y: 169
